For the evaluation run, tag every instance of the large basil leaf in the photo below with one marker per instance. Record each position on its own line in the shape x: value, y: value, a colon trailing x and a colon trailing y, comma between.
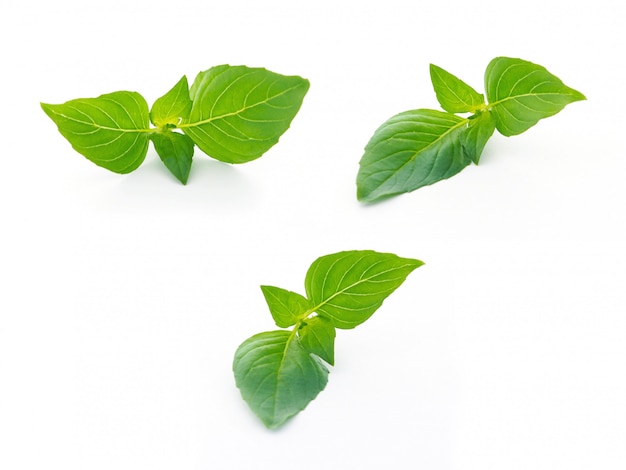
x: 349, y: 286
x: 111, y: 130
x: 277, y: 377
x: 238, y: 113
x: 410, y: 150
x: 521, y: 93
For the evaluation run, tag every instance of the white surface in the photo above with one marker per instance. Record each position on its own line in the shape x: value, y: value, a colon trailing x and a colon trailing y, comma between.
x: 125, y: 297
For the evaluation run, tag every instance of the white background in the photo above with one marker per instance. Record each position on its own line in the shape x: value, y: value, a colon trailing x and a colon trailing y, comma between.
x: 123, y: 298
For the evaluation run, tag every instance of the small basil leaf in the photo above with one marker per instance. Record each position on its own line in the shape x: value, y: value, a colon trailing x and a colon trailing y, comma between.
x: 410, y: 150
x: 175, y: 151
x: 239, y: 113
x: 348, y: 287
x: 521, y: 93
x: 285, y: 306
x: 453, y: 94
x: 317, y: 336
x: 173, y: 107
x: 277, y: 377
x: 479, y: 129
x: 111, y: 130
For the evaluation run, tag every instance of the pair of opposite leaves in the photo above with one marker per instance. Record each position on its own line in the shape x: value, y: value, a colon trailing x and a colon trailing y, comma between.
x: 235, y: 114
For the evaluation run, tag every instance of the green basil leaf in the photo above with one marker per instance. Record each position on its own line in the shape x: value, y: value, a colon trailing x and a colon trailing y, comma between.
x: 175, y: 151
x: 521, y: 93
x: 479, y: 129
x: 317, y: 336
x: 412, y: 149
x: 453, y: 94
x: 111, y: 130
x: 277, y: 377
x: 239, y: 113
x: 285, y: 306
x: 173, y: 107
x: 348, y: 287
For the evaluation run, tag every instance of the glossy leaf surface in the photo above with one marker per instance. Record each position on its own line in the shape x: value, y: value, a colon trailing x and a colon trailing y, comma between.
x: 175, y: 151
x: 285, y: 306
x: 479, y: 129
x: 173, y: 107
x: 453, y: 94
x: 110, y: 130
x: 410, y: 150
x: 521, y: 93
x: 277, y: 377
x: 280, y: 372
x: 317, y: 336
x: 348, y: 287
x: 239, y: 113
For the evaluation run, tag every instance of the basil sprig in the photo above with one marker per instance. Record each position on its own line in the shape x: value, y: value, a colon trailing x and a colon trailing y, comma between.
x: 280, y: 372
x: 233, y: 113
x: 420, y: 147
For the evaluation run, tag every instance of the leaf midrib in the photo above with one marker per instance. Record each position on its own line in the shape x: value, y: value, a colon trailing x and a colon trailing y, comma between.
x: 470, y: 105
x: 234, y: 113
x: 360, y: 281
x: 281, y: 364
x: 423, y: 149
x: 526, y: 95
x: 99, y: 126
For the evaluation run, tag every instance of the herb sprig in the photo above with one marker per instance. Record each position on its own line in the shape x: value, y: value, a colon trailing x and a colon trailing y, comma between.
x: 232, y: 113
x: 420, y: 147
x: 280, y: 372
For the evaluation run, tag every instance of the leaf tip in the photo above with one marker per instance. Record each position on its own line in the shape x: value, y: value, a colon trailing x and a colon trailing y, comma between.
x: 47, y: 108
x: 183, y: 177
x: 578, y: 96
x: 360, y: 196
x: 369, y: 197
x: 306, y: 84
x: 365, y: 193
x: 364, y: 196
x: 434, y: 71
x: 271, y: 423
